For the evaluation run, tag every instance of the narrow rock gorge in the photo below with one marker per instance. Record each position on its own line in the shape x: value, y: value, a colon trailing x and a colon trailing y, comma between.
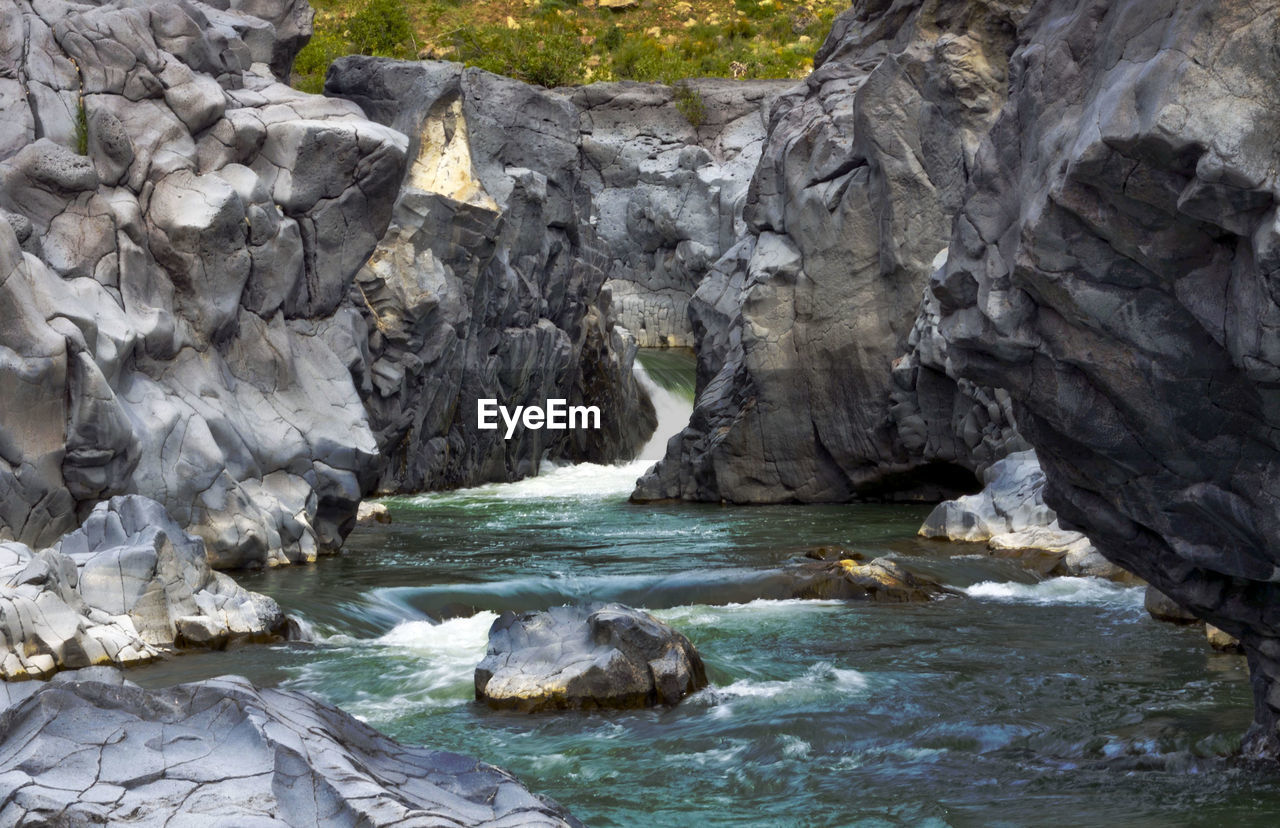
x: 1008, y: 260
x: 816, y: 383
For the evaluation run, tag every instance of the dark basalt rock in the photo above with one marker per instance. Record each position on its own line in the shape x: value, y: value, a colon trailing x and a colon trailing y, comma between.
x: 1114, y: 268
x: 597, y: 656
x: 489, y: 284
x: 221, y: 752
x: 814, y: 381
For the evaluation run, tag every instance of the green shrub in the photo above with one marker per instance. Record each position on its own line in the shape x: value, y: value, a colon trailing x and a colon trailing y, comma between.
x: 645, y: 59
x: 313, y: 61
x: 689, y: 102
x: 381, y: 28
x: 549, y: 54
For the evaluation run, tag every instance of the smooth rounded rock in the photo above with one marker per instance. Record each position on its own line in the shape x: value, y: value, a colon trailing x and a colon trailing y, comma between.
x: 596, y: 656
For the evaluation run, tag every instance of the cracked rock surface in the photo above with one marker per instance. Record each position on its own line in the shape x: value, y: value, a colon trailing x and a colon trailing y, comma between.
x: 1114, y: 268
x: 124, y: 588
x: 804, y: 392
x: 586, y: 657
x: 163, y: 296
x: 93, y: 749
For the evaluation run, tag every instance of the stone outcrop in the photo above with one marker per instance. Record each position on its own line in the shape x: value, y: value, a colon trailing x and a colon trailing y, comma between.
x: 1011, y: 517
x: 181, y: 227
x: 1114, y: 269
x: 800, y: 325
x: 594, y: 656
x: 222, y: 752
x: 488, y: 285
x: 668, y: 170
x: 123, y: 589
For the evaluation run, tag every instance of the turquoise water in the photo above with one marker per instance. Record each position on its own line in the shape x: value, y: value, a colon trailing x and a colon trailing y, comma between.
x: 1024, y: 703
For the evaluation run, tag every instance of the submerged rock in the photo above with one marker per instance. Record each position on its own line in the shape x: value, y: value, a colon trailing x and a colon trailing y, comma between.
x: 880, y: 580
x: 1222, y: 641
x: 1163, y: 608
x: 124, y: 588
x: 222, y: 752
x: 586, y: 657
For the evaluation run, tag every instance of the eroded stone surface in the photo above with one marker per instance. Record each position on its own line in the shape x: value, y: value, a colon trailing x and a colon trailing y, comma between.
x: 124, y: 588
x: 586, y: 657
x: 804, y: 392
x: 221, y: 752
x: 1114, y: 269
x: 488, y: 285
x: 161, y: 297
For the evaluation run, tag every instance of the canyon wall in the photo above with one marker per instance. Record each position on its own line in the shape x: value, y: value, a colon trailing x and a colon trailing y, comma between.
x: 1115, y: 268
x: 488, y: 284
x: 180, y: 228
x: 816, y: 382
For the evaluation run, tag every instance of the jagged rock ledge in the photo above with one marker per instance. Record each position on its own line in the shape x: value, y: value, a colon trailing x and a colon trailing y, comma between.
x: 125, y: 588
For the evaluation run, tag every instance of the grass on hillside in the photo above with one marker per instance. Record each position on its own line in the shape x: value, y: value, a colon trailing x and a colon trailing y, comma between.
x: 563, y: 42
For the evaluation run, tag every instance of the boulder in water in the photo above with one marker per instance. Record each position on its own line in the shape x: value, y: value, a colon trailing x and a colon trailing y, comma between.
x: 1163, y: 608
x: 586, y: 657
x: 371, y: 513
x: 880, y: 580
x: 222, y: 752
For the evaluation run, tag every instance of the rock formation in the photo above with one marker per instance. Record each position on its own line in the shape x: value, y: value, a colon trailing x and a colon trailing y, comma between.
x: 1011, y: 517
x: 122, y: 589
x: 881, y: 581
x: 180, y: 229
x: 487, y: 285
x: 222, y: 752
x: 800, y: 324
x: 586, y: 657
x: 668, y: 170
x: 1114, y: 269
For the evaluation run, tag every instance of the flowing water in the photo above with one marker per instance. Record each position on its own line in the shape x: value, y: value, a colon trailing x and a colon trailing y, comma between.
x: 1024, y: 703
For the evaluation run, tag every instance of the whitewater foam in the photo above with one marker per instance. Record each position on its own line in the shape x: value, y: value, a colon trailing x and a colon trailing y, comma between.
x: 1066, y: 590
x: 586, y: 481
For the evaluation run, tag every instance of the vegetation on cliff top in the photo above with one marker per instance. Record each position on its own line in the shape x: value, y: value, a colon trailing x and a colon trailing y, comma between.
x: 562, y: 42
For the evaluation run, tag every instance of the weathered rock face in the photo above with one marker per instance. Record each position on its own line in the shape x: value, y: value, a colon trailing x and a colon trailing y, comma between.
x: 1011, y: 517
x: 222, y: 752
x: 122, y: 589
x: 584, y: 658
x: 800, y: 324
x: 488, y: 284
x: 1114, y: 269
x: 162, y: 296
x: 668, y: 170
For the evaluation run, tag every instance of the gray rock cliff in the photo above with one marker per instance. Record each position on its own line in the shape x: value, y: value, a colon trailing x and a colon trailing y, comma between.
x: 668, y: 169
x: 163, y: 295
x: 814, y: 382
x: 488, y: 284
x: 1114, y: 268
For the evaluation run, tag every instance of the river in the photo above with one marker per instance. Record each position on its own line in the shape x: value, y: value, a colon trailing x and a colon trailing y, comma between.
x: 1023, y: 703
